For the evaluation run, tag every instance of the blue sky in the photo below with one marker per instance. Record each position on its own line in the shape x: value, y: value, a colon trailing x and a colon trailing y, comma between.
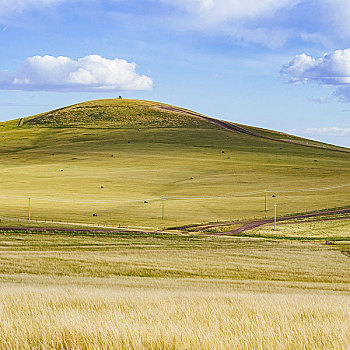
x: 279, y: 64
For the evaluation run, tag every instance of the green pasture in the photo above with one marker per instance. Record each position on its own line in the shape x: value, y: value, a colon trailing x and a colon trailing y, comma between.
x: 138, y: 152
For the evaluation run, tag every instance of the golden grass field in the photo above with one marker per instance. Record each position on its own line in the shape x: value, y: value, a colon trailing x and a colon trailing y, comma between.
x: 180, y: 291
x: 262, y: 289
x: 116, y: 318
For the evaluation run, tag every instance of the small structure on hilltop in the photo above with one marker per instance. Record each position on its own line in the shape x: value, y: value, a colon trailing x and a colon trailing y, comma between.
x: 120, y: 98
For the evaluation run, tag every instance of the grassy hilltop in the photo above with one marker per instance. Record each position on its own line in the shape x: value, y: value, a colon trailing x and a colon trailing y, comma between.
x: 109, y: 157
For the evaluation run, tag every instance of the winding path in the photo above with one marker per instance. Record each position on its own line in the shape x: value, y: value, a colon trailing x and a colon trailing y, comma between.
x: 237, y: 128
x: 258, y: 223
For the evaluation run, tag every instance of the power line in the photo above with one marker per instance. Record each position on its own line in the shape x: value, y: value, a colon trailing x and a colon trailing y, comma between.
x: 248, y: 194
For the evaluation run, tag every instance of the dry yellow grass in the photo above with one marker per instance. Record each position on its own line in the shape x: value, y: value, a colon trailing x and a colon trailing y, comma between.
x: 171, y: 292
x: 313, y: 230
x: 133, y: 318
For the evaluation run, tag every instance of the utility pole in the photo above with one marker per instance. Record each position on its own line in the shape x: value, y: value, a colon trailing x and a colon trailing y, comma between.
x: 29, y: 210
x: 163, y: 200
x: 275, y: 215
x: 265, y: 200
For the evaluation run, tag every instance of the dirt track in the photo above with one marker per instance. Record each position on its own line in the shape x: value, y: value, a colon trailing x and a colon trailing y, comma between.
x: 234, y: 127
x: 70, y: 230
x: 247, y: 226
x: 258, y: 223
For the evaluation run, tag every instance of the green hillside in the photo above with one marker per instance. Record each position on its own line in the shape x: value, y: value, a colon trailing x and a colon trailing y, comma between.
x: 109, y: 157
x: 113, y: 114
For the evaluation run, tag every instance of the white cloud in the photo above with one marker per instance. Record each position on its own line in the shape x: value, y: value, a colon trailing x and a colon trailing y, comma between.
x: 343, y: 93
x: 216, y: 11
x: 14, y: 6
x: 268, y: 22
x: 245, y: 21
x: 338, y: 13
x: 328, y: 131
x: 90, y: 73
x: 271, y: 23
x: 333, y: 69
x: 271, y: 38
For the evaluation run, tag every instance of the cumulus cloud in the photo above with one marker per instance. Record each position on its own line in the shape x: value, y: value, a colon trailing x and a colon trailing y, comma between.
x: 333, y: 69
x: 90, y: 73
x: 328, y: 131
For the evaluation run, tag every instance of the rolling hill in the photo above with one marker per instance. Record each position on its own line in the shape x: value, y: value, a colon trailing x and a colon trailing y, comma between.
x: 117, y: 158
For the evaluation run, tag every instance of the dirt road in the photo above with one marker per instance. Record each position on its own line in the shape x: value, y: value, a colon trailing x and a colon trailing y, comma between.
x: 244, y: 226
x: 258, y: 223
x: 71, y: 230
x: 234, y: 127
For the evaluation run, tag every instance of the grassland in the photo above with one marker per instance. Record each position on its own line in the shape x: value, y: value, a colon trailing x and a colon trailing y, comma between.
x: 155, y: 153
x: 172, y: 292
x: 81, y: 318
x: 263, y: 289
x: 335, y: 229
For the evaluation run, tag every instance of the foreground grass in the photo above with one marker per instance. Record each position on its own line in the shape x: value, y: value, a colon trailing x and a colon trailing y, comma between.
x: 171, y: 256
x: 158, y: 291
x: 105, y: 318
